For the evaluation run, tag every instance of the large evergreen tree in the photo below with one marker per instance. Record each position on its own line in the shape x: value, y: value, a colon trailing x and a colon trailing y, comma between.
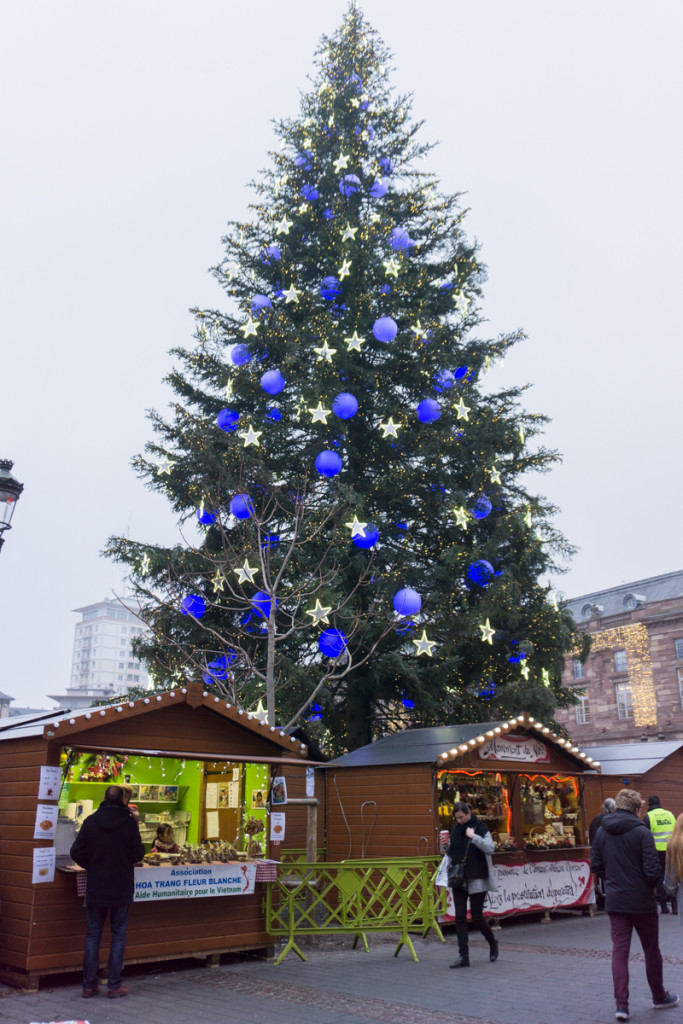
x: 332, y: 431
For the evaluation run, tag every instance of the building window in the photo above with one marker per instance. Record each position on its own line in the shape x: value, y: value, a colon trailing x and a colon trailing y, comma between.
x: 578, y: 669
x: 679, y: 649
x: 122, y: 664
x: 680, y: 684
x: 583, y: 711
x: 620, y: 661
x: 120, y: 678
x: 624, y: 700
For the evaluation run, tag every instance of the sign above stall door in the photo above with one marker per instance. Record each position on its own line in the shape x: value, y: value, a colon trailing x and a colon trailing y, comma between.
x: 514, y: 748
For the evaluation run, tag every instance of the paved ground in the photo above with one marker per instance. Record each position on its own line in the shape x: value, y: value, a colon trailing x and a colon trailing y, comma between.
x: 557, y: 973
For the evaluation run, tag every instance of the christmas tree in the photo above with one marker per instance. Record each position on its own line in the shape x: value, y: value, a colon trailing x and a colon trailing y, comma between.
x: 371, y: 558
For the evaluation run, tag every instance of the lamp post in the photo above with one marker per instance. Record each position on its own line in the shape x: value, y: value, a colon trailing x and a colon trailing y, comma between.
x: 10, y: 490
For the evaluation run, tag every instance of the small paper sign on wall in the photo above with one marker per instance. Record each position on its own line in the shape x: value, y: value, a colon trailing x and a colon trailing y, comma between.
x: 43, y: 864
x: 310, y: 782
x: 213, y: 828
x: 46, y: 821
x: 50, y: 779
x: 277, y: 826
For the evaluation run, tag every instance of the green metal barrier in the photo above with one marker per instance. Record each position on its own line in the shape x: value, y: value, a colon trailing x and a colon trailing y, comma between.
x: 355, y: 898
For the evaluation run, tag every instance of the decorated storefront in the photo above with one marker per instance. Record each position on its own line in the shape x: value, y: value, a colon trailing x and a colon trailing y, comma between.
x: 210, y: 783
x: 535, y: 791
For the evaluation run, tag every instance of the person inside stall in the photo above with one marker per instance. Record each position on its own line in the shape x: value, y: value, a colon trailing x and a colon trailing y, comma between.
x: 164, y: 841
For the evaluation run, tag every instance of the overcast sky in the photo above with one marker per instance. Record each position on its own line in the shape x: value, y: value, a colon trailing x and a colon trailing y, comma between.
x: 129, y: 133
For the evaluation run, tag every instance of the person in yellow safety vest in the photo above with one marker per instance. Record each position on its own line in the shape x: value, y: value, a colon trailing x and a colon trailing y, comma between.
x: 661, y: 824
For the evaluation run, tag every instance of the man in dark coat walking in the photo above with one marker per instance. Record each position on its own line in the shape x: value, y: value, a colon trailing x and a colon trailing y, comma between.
x: 108, y: 845
x: 624, y: 852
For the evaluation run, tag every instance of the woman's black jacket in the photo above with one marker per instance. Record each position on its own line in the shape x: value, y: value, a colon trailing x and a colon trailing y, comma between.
x: 476, y: 865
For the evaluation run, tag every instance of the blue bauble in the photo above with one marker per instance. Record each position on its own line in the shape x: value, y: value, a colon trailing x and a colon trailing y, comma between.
x: 309, y: 192
x: 205, y: 517
x: 349, y: 184
x: 270, y: 254
x: 219, y: 668
x: 481, y: 508
x: 356, y: 80
x: 400, y: 239
x: 345, y: 406
x: 428, y: 410
x: 241, y: 506
x: 273, y: 414
x: 332, y: 642
x: 330, y: 287
x: 260, y: 302
x: 328, y: 214
x: 261, y: 603
x: 270, y: 540
x: 518, y: 655
x: 386, y: 164
x: 227, y: 419
x: 328, y: 463
x: 385, y: 329
x: 480, y: 572
x: 407, y: 602
x: 368, y: 538
x: 407, y: 703
x: 272, y: 382
x: 304, y: 160
x: 239, y: 355
x: 444, y: 379
x: 379, y: 189
x: 193, y: 604
x: 460, y: 372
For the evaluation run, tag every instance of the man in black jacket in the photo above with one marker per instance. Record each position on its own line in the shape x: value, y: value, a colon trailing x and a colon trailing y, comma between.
x: 596, y: 822
x: 624, y: 852
x: 108, y: 845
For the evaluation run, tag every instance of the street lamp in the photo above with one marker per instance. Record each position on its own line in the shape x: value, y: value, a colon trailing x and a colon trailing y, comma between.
x: 10, y: 490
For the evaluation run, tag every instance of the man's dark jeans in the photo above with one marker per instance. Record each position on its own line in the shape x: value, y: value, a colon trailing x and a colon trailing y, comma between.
x: 118, y: 920
x: 647, y: 928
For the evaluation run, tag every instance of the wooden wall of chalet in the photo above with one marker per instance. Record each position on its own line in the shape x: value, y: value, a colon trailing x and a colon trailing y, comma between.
x: 665, y: 780
x: 399, y: 798
x: 43, y: 926
x: 20, y: 763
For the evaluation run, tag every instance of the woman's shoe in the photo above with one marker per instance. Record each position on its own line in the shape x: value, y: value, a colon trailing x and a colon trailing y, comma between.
x: 493, y: 955
x: 462, y: 961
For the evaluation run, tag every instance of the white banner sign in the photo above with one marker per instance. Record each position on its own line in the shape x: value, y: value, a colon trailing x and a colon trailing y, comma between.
x: 513, y: 748
x: 186, y: 881
x: 540, y: 885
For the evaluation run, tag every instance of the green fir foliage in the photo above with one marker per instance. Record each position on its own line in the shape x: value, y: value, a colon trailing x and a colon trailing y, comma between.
x: 332, y: 254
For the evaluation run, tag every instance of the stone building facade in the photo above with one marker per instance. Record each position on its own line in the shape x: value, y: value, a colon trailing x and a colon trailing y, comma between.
x: 631, y: 684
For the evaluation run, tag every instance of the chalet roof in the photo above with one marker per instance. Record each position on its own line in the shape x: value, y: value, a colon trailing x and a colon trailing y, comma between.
x: 67, y: 726
x: 442, y: 743
x: 633, y: 758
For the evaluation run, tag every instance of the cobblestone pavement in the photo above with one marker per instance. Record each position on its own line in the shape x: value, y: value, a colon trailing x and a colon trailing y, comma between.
x: 557, y: 973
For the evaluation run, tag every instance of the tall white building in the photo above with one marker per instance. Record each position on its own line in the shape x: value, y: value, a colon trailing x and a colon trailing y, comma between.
x: 103, y: 662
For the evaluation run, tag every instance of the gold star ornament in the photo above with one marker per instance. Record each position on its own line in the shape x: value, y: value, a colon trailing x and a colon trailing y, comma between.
x: 349, y: 233
x: 251, y: 436
x: 487, y: 633
x: 319, y: 613
x: 325, y: 352
x: 291, y: 294
x: 354, y: 343
x: 461, y: 517
x: 251, y: 327
x: 356, y: 527
x: 282, y: 226
x: 246, y: 572
x: 319, y: 414
x: 463, y: 410
x: 390, y: 429
x: 341, y: 163
x: 344, y: 270
x: 424, y: 645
